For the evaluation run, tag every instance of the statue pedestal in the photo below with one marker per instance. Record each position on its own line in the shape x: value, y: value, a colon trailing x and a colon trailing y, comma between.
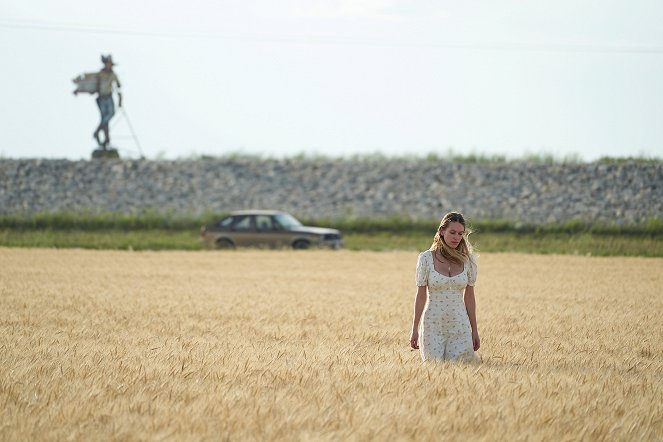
x: 108, y: 153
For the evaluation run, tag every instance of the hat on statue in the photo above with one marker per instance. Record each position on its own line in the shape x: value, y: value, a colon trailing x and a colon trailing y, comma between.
x: 107, y: 59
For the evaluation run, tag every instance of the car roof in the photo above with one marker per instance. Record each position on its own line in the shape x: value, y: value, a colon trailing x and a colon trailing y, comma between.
x: 256, y: 212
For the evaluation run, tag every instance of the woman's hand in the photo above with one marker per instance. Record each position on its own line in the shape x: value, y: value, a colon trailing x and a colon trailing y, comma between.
x: 476, y: 342
x: 414, y: 339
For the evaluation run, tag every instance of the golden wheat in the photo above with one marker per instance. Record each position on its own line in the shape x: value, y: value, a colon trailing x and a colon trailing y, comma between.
x: 111, y: 345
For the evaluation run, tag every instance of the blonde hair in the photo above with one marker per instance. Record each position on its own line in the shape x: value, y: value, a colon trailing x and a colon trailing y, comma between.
x: 464, y: 251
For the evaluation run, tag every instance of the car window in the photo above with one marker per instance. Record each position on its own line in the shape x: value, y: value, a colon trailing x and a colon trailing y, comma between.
x: 225, y: 222
x: 242, y: 222
x: 286, y: 221
x: 264, y: 223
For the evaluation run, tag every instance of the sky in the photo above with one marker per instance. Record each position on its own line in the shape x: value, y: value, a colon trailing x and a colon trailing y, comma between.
x: 337, y: 78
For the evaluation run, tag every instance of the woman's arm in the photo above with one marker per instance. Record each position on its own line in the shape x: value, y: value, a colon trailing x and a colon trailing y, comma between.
x: 471, y: 307
x: 419, y: 303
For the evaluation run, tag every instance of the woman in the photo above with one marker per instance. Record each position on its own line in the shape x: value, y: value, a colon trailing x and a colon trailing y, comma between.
x: 445, y: 324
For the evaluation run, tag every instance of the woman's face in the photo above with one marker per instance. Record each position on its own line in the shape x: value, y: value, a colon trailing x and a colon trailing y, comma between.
x: 453, y: 234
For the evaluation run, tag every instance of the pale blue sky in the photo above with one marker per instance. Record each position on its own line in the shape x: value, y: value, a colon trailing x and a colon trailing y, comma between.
x: 337, y: 77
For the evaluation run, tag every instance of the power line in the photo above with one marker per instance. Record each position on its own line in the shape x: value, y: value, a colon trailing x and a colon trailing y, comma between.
x: 308, y: 40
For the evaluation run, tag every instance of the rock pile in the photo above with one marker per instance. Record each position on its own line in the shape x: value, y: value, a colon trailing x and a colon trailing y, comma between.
x: 622, y: 193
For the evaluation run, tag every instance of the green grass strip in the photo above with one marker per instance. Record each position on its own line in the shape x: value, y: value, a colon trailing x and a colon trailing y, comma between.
x: 395, y: 224
x: 159, y: 239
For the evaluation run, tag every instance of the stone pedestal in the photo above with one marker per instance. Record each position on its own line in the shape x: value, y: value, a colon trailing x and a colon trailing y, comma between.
x: 109, y: 153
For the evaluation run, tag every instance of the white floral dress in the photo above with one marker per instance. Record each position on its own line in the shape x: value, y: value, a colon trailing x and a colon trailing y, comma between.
x: 444, y: 329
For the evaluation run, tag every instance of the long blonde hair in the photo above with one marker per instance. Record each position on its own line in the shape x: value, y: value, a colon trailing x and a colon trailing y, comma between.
x: 464, y: 251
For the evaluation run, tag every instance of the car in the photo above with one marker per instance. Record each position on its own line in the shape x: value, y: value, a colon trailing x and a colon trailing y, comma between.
x: 268, y: 229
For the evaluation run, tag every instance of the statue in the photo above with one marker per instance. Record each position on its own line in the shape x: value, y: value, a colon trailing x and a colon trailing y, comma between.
x: 103, y: 83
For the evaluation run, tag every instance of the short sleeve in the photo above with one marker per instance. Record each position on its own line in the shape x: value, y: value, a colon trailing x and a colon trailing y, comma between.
x: 472, y: 271
x: 421, y: 276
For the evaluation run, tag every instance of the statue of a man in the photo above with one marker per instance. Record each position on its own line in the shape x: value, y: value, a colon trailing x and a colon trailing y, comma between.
x: 106, y: 79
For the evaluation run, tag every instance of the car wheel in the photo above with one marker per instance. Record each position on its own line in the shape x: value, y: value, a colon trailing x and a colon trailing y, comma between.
x: 225, y: 243
x: 301, y: 244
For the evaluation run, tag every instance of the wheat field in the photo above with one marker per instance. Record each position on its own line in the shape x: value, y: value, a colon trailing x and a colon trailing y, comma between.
x: 284, y: 345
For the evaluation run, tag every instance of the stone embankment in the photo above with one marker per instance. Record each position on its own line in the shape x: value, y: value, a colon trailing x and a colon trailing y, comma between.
x: 623, y: 193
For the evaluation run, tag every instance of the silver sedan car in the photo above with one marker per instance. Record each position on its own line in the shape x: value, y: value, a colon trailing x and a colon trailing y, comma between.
x: 268, y: 229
